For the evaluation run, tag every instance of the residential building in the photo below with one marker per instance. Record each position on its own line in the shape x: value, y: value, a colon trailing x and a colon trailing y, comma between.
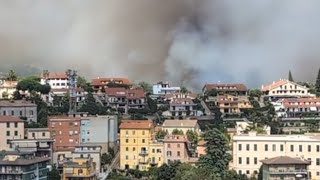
x: 19, y: 108
x: 298, y: 107
x: 138, y: 149
x: 284, y: 167
x: 285, y: 89
x: 250, y: 149
x: 37, y: 133
x: 23, y: 166
x: 125, y: 99
x: 89, y: 151
x: 183, y: 107
x: 101, y: 84
x: 7, y: 88
x: 61, y: 156
x: 39, y: 147
x: 99, y: 130
x: 163, y: 87
x: 65, y: 130
x: 229, y: 104
x: 169, y: 125
x: 79, y: 168
x: 222, y: 89
x: 56, y: 94
x: 10, y: 128
x: 170, y: 97
x: 176, y: 148
x: 56, y: 80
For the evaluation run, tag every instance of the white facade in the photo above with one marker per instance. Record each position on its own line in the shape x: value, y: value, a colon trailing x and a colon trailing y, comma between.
x: 286, y: 88
x: 56, y: 81
x: 249, y: 149
x: 163, y: 88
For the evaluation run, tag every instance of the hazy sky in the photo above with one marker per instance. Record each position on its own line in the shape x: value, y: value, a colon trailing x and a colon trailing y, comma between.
x: 189, y: 42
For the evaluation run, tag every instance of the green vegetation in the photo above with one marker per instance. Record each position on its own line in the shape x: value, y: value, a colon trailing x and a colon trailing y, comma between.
x: 192, y: 137
x: 317, y: 85
x: 54, y: 173
x: 161, y: 134
x: 177, y: 132
x: 32, y: 84
x: 146, y: 87
x: 12, y: 76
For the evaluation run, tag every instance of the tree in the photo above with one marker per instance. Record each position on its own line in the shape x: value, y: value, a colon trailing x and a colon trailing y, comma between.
x: 177, y: 132
x: 152, y: 105
x: 192, y: 137
x: 106, y: 158
x: 54, y: 173
x: 146, y: 87
x: 161, y: 134
x: 32, y: 84
x: 12, y: 76
x: 318, y: 83
x: 184, y: 90
x: 16, y: 95
x: 290, y: 78
x: 90, y: 105
x: 167, y: 171
x: 217, y: 157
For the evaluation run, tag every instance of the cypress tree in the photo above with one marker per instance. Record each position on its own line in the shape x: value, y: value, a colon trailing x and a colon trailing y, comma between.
x: 318, y: 82
x: 290, y: 77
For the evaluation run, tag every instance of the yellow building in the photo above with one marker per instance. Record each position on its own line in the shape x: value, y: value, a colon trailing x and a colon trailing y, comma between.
x: 233, y: 104
x: 79, y: 168
x: 138, y: 149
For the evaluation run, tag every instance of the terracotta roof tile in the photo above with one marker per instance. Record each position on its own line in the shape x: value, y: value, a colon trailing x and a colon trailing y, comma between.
x: 301, y: 102
x: 180, y: 123
x: 136, y: 124
x: 226, y: 87
x: 284, y: 160
x: 277, y: 84
x: 105, y: 81
x: 118, y: 92
x: 56, y: 76
x: 4, y: 119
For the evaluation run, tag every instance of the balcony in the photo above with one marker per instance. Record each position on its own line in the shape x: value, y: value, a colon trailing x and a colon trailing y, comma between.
x: 11, y: 172
x: 143, y: 153
x: 289, y: 171
x: 153, y: 163
x: 143, y: 161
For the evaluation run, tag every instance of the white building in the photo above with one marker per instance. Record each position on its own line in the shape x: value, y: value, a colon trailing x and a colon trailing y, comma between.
x: 56, y: 80
x: 162, y: 88
x: 285, y: 89
x: 250, y: 149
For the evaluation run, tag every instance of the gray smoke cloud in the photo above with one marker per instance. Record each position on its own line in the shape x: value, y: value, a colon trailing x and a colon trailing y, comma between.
x: 189, y: 42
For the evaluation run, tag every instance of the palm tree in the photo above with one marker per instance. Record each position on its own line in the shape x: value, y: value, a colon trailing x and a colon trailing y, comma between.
x: 12, y: 76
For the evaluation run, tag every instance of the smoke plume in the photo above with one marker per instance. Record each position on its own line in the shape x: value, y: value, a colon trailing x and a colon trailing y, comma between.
x: 188, y: 42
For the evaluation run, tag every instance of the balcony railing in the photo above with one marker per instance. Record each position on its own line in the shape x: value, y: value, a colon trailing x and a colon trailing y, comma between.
x: 153, y: 162
x: 289, y: 171
x: 143, y: 153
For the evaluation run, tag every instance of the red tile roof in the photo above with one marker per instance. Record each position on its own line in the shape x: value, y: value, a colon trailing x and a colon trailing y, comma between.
x: 56, y: 76
x: 301, y: 102
x: 105, y: 81
x: 284, y: 160
x: 4, y: 119
x: 122, y: 92
x: 226, y: 87
x: 136, y: 124
x: 275, y: 85
x: 135, y: 94
x: 118, y: 92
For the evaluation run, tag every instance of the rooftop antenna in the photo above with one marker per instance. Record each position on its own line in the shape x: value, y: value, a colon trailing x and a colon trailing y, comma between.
x: 72, y: 81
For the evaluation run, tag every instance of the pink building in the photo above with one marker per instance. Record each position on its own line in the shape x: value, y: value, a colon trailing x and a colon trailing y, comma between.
x: 176, y: 148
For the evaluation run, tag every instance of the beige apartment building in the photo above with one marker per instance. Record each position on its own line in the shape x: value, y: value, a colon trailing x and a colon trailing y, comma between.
x: 10, y: 128
x: 250, y: 149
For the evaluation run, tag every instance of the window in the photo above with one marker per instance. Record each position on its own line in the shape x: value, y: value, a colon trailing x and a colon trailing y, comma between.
x: 248, y: 172
x: 248, y: 147
x: 127, y: 132
x: 266, y: 147
x: 134, y: 140
x: 255, y: 147
x: 281, y: 147
x: 15, y: 124
x: 291, y: 148
x: 168, y: 153
x: 16, y: 133
x: 240, y: 172
x: 240, y: 147
x: 133, y: 132
x: 318, y: 161
x: 255, y: 160
x: 153, y: 150
x: 309, y: 148
x: 318, y: 173
x: 300, y: 148
x: 127, y: 140
x: 12, y: 113
x: 31, y: 112
x: 8, y: 125
x: 178, y: 153
x: 4, y: 113
x: 8, y: 133
x: 318, y: 148
x: 143, y: 133
x: 127, y: 149
x: 169, y: 145
x: 143, y: 141
x: 239, y: 160
x: 127, y: 157
x: 178, y: 145
x: 274, y: 148
x: 20, y: 113
x: 8, y: 141
x: 248, y: 160
x: 158, y: 150
x: 71, y: 140
x: 134, y: 149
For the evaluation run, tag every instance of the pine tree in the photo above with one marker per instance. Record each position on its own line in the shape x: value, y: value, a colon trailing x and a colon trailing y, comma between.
x: 290, y: 77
